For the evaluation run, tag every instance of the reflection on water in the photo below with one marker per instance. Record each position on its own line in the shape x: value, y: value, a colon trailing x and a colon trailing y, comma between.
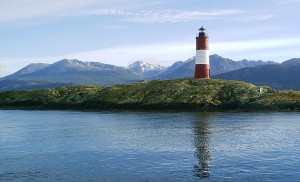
x: 202, y: 140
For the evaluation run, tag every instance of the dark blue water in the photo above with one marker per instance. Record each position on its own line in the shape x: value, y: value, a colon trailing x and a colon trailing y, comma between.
x: 148, y: 146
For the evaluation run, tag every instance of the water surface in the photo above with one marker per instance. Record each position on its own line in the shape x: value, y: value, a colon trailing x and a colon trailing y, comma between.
x: 148, y: 146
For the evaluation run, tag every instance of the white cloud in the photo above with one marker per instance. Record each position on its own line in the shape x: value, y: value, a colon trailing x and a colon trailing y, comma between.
x: 98, y: 12
x: 3, y: 70
x: 108, y: 27
x: 131, y: 12
x: 166, y: 53
x: 22, y: 9
x: 287, y: 1
x: 252, y: 45
x: 114, y: 27
x: 249, y: 18
x: 159, y: 15
x: 163, y: 54
x: 268, y: 49
x: 162, y: 16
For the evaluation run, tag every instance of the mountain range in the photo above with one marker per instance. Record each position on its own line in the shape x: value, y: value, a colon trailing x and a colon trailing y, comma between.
x: 218, y: 65
x: 74, y: 72
x: 284, y: 76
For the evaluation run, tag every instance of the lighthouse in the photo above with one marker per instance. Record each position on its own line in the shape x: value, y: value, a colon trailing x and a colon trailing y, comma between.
x: 202, y: 69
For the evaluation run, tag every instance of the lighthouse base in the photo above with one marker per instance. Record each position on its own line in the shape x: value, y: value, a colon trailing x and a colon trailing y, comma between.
x: 202, y: 71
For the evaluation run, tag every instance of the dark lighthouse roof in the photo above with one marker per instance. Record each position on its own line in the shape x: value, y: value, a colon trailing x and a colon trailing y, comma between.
x: 202, y: 31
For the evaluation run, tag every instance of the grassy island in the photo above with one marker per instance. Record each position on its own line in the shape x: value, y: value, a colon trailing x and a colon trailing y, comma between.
x: 180, y: 94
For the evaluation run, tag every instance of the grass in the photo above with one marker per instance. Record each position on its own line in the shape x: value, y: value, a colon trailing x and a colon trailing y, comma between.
x: 180, y: 94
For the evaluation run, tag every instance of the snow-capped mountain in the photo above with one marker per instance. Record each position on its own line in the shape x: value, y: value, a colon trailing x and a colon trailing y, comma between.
x: 146, y: 70
x: 74, y: 64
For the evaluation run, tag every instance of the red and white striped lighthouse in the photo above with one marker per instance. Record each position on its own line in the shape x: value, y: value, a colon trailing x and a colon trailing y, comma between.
x: 202, y: 69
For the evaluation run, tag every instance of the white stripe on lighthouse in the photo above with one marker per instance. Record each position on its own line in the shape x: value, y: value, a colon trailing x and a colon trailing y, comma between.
x: 202, y: 57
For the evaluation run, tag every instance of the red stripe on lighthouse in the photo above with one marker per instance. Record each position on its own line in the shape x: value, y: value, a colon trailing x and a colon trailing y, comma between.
x: 202, y: 43
x: 202, y: 68
x: 202, y: 71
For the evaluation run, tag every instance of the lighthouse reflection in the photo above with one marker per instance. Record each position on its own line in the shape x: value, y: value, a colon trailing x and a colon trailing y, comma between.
x: 201, y: 142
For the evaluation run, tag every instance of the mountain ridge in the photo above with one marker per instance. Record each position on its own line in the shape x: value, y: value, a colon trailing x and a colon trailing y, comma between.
x: 218, y: 65
x: 292, y: 61
x: 30, y: 68
x: 78, y: 72
x: 279, y: 76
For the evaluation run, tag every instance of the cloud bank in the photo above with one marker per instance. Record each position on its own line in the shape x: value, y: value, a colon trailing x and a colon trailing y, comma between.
x: 167, y: 53
x: 3, y: 70
x: 159, y: 15
x: 22, y: 9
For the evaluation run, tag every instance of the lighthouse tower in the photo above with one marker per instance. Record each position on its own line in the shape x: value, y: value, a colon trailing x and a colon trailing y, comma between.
x: 202, y: 69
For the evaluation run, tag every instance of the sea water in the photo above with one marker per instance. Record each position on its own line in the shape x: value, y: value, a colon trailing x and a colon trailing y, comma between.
x: 149, y: 146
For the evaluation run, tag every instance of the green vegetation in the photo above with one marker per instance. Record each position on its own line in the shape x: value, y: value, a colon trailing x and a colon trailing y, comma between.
x: 180, y: 94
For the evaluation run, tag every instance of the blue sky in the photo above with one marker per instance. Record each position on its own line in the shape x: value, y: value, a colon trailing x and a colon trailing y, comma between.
x: 120, y: 32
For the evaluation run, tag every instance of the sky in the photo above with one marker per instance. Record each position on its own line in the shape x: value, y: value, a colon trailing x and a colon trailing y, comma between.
x: 120, y: 32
